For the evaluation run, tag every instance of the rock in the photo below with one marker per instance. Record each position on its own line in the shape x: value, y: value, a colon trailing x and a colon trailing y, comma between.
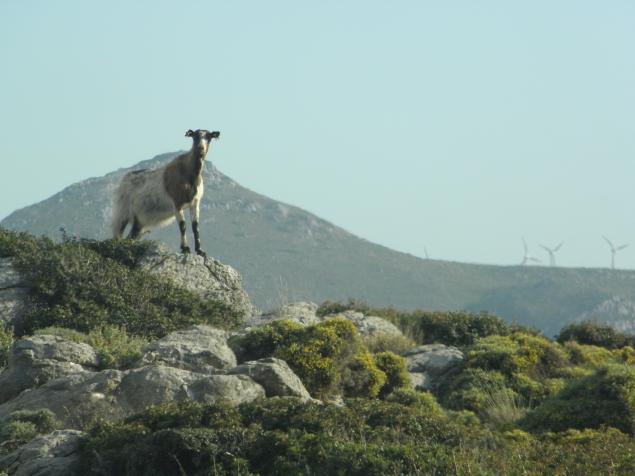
x: 72, y: 398
x: 275, y: 376
x: 13, y: 292
x: 207, y: 277
x: 199, y: 348
x: 154, y: 385
x: 37, y: 359
x: 54, y: 454
x: 421, y: 381
x: 114, y: 394
x: 301, y: 312
x: 428, y: 363
x: 368, y: 325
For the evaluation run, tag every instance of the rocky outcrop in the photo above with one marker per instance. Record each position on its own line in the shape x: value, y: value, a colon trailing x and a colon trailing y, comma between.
x: 13, y: 292
x: 275, y: 376
x: 55, y: 454
x: 37, y: 359
x: 199, y: 348
x: 114, y: 394
x: 428, y: 363
x: 154, y: 385
x: 207, y: 277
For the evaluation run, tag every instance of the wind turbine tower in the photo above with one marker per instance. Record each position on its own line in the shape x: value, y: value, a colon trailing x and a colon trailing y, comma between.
x: 614, y: 249
x: 526, y: 256
x: 552, y: 253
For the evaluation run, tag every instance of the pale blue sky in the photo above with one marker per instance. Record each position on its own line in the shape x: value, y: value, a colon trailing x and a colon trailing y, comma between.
x: 460, y: 126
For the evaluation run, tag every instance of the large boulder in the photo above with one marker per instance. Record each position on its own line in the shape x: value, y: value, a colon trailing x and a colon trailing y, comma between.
x: 275, y: 376
x: 199, y: 348
x: 114, y: 394
x: 154, y: 385
x: 55, y: 454
x: 428, y: 363
x: 207, y: 277
x: 13, y: 293
x: 37, y: 359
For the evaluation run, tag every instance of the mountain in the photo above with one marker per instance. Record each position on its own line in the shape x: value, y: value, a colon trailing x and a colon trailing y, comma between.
x: 287, y: 254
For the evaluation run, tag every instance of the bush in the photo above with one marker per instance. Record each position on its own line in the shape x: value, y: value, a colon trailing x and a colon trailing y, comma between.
x: 22, y: 426
x: 78, y: 288
x: 328, y: 357
x: 595, y: 333
x: 450, y: 328
x: 606, y: 398
x: 397, y: 344
x: 6, y: 342
x: 395, y: 369
x: 115, y: 347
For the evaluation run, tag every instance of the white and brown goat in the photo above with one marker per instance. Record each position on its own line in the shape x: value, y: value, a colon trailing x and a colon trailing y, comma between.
x: 150, y: 198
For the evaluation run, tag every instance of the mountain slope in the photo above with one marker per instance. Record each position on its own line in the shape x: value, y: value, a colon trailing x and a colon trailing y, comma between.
x: 285, y: 253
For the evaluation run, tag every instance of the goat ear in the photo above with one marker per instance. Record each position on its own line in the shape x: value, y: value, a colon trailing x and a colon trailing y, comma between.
x: 189, y: 133
x: 214, y: 135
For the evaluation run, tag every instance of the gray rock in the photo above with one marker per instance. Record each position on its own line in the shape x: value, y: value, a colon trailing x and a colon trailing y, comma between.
x: 37, y: 359
x: 368, y: 325
x: 13, y: 292
x: 73, y: 398
x: 428, y: 363
x: 207, y: 277
x: 275, y: 376
x: 301, y: 312
x: 54, y: 454
x: 432, y: 358
x: 113, y: 394
x: 154, y: 385
x: 199, y: 348
x: 421, y: 381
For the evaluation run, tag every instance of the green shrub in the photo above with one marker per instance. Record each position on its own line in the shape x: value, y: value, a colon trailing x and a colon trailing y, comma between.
x: 362, y: 377
x: 395, y: 369
x: 408, y: 433
x: 329, y: 357
x: 115, y: 347
x: 6, y: 342
x: 78, y: 288
x: 595, y: 333
x: 22, y: 426
x: 397, y: 344
x: 425, y: 327
x: 606, y: 398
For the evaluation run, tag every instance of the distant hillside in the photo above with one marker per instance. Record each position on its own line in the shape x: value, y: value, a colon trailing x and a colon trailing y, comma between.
x: 286, y: 254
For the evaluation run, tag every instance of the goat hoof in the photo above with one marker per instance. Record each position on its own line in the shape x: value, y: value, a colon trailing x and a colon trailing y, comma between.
x: 201, y: 253
x: 185, y: 250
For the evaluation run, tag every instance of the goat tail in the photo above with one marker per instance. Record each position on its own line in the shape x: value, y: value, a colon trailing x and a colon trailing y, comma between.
x: 120, y: 215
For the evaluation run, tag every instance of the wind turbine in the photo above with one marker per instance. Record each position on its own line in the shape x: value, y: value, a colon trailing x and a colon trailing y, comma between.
x: 425, y: 252
x: 527, y: 257
x: 614, y: 249
x: 552, y: 253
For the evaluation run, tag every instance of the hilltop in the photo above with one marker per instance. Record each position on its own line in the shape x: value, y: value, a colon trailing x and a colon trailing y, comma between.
x: 287, y: 254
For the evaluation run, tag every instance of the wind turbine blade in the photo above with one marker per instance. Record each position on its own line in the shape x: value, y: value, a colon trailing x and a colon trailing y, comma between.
x: 548, y: 250
x: 559, y: 246
x: 525, y: 245
x: 621, y: 247
x: 608, y: 241
x: 535, y: 260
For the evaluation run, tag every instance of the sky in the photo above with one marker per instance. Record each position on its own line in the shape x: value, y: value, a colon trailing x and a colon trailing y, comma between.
x: 456, y: 127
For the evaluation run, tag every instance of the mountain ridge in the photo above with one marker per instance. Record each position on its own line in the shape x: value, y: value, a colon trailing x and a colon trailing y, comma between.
x: 288, y: 254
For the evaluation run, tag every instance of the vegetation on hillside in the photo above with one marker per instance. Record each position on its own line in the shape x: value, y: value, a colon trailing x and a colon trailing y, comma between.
x: 85, y: 285
x: 519, y: 403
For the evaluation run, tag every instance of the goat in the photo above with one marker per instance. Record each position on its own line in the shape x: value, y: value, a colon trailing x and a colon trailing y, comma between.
x: 150, y: 198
